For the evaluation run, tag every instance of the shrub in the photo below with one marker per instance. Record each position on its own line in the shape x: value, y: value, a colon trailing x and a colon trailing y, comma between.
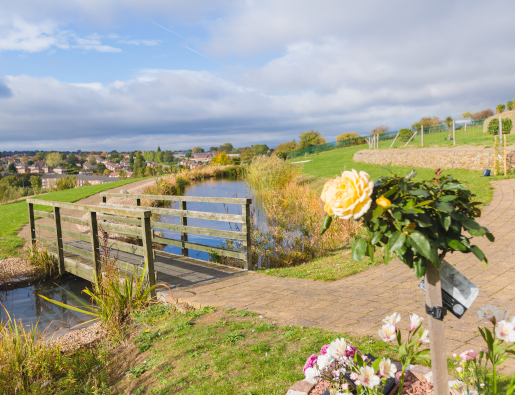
x: 405, y: 135
x: 493, y: 126
x: 346, y: 136
x: 509, y: 106
x: 500, y: 108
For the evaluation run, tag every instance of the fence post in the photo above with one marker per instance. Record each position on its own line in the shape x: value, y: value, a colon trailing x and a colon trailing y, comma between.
x: 95, y: 248
x: 32, y: 225
x: 245, y: 211
x: 495, y: 155
x: 453, y: 132
x: 184, y: 235
x: 146, y: 233
x: 138, y: 203
x: 500, y: 128
x: 422, y: 135
x: 397, y: 135
x: 505, y: 168
x: 59, y: 240
x: 436, y: 329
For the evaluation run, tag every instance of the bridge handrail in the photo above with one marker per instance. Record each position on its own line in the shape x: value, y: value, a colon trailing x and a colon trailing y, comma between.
x: 173, y: 198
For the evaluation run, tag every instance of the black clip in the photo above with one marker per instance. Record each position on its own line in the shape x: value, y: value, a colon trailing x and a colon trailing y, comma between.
x: 437, y: 312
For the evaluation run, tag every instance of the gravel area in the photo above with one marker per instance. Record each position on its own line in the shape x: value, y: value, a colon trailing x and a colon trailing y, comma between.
x: 15, y: 269
x: 79, y: 338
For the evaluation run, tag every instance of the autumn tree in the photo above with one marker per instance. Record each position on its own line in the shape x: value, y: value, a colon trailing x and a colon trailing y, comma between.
x: 197, y: 150
x: 308, y: 139
x: 346, y: 136
x: 380, y: 129
x: 221, y: 159
x: 287, y: 147
x: 54, y: 159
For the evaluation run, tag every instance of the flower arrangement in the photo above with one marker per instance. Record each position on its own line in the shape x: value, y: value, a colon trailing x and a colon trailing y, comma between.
x: 419, y: 222
x: 347, y: 370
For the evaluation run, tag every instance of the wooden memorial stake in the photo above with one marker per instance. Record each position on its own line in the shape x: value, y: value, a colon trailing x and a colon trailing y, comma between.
x: 436, y: 331
x: 495, y: 155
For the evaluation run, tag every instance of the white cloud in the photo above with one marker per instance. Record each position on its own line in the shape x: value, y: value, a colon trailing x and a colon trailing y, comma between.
x: 150, y: 43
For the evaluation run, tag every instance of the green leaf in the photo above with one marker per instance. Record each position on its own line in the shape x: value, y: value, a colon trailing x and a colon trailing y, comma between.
x: 423, y: 247
x: 419, y: 268
x: 396, y: 240
x: 375, y: 365
x: 489, y: 339
x: 447, y: 222
x: 375, y: 239
x: 420, y: 192
x: 388, y: 255
x: 359, y: 249
x: 454, y: 186
x: 423, y: 221
x: 478, y: 253
x: 402, y: 350
x: 326, y: 224
x: 391, y: 191
x: 448, y: 198
x: 410, y: 175
x: 474, y: 228
x: 490, y: 236
x: 446, y: 207
x: 377, y: 213
x: 457, y: 245
x: 424, y: 203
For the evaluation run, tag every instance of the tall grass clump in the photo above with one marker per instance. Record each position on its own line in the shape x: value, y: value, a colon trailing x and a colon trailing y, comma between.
x: 31, y: 365
x: 44, y: 262
x: 294, y: 212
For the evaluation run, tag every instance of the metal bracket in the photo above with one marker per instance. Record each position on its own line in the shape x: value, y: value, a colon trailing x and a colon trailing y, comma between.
x: 437, y: 312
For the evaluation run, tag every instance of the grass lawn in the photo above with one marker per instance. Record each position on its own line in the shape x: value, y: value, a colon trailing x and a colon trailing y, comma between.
x: 14, y: 215
x: 218, y: 352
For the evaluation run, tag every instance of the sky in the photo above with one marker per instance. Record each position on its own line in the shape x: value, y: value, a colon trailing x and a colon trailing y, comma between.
x: 128, y: 74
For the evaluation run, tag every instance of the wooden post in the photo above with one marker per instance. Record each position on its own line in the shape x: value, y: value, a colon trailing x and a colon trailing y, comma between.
x: 436, y: 331
x: 411, y: 138
x: 32, y: 225
x: 59, y: 240
x: 500, y: 128
x: 104, y: 199
x: 453, y: 132
x: 138, y: 203
x: 505, y: 166
x: 95, y: 248
x: 422, y: 134
x: 184, y: 235
x: 397, y: 135
x: 465, y: 126
x: 245, y: 210
x: 495, y: 155
x: 146, y: 232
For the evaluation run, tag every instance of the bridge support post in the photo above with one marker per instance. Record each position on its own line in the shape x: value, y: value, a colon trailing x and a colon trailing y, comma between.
x: 59, y: 240
x: 146, y: 232
x: 138, y: 203
x: 245, y: 211
x: 93, y: 225
x: 32, y: 225
x: 184, y: 235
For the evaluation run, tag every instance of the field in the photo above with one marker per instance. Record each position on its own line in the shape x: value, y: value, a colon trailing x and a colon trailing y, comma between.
x: 14, y: 215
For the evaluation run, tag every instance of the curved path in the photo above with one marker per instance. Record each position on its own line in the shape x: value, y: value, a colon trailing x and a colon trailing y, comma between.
x: 357, y: 304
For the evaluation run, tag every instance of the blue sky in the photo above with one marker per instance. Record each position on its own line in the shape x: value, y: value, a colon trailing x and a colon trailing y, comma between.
x: 101, y: 74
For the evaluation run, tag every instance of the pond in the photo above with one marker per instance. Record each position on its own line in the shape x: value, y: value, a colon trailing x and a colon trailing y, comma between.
x: 23, y: 303
x: 212, y: 188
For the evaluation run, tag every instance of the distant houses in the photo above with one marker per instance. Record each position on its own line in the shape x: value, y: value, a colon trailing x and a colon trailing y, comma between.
x: 49, y: 180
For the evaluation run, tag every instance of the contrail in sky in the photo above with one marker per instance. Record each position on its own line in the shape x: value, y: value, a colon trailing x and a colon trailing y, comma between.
x: 178, y: 35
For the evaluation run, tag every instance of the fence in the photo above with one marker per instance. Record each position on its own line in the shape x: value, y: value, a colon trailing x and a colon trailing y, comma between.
x: 242, y: 237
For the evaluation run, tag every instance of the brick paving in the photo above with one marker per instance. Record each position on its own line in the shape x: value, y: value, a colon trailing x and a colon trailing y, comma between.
x: 357, y: 304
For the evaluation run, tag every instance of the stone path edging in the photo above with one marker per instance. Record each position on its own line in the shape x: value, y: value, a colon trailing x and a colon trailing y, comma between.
x: 357, y: 304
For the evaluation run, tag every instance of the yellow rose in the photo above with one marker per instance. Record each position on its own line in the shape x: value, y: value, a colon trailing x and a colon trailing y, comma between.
x: 383, y: 202
x: 348, y: 196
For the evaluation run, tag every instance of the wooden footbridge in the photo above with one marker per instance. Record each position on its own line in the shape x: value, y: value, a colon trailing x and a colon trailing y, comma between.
x: 71, y: 233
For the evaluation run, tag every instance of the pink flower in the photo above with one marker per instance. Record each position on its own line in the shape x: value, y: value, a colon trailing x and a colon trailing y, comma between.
x: 353, y: 376
x: 323, y: 350
x: 310, y: 362
x: 351, y: 350
x: 483, y: 349
x: 468, y: 355
x: 459, y: 369
x: 398, y: 375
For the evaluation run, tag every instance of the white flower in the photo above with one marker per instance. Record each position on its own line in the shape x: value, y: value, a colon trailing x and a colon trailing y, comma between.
x: 425, y: 337
x: 490, y: 312
x: 311, y: 373
x: 387, y: 368
x: 504, y: 331
x: 388, y: 332
x: 337, y: 348
x: 368, y: 378
x: 324, y: 361
x: 415, y: 321
x: 392, y: 319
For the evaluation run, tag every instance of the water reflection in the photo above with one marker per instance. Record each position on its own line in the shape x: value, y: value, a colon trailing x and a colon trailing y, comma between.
x: 212, y: 188
x: 23, y: 303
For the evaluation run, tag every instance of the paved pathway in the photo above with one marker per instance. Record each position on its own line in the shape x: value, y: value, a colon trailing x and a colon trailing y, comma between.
x: 358, y: 303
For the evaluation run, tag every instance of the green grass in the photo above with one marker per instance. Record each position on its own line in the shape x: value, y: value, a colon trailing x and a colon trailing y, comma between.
x: 221, y: 352
x: 330, y: 164
x: 333, y: 266
x: 14, y: 215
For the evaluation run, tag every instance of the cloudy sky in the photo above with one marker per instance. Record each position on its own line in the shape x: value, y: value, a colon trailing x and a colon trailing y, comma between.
x: 132, y: 74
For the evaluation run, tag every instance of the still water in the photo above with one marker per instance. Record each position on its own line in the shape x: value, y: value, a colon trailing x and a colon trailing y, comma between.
x: 25, y: 304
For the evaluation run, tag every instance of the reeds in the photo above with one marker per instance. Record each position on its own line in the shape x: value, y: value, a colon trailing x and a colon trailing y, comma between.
x: 44, y: 262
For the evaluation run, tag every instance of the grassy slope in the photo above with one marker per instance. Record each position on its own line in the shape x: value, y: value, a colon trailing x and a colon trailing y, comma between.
x: 14, y: 215
x: 219, y: 352
x: 326, y: 165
